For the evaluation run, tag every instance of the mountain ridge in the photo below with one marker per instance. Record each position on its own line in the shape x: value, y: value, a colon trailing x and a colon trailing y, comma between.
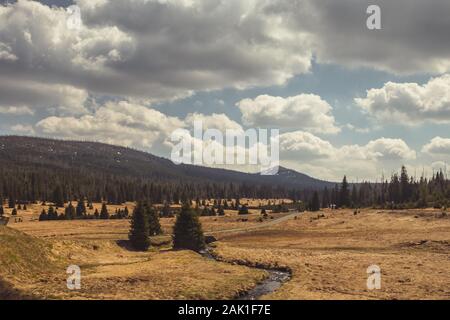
x: 125, y: 161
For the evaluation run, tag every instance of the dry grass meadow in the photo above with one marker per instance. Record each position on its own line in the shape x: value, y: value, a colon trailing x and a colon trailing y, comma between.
x: 328, y: 254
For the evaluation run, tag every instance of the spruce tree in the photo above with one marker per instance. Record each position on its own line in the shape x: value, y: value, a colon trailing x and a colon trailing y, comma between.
x: 188, y: 232
x: 11, y: 203
x: 104, y: 214
x: 81, y: 209
x: 315, y: 202
x: 43, y: 216
x: 2, y: 211
x: 70, y: 212
x: 344, y: 199
x: 58, y: 197
x: 14, y: 212
x: 52, y: 214
x: 139, y: 231
x: 243, y: 210
x: 154, y: 227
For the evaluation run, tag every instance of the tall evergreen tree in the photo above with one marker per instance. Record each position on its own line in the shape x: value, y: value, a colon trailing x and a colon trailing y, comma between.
x: 154, y: 226
x: 243, y: 210
x: 188, y: 232
x: 58, y: 197
x: 81, y: 208
x: 52, y: 214
x: 344, y: 195
x: 104, y: 214
x: 139, y: 231
x: 315, y: 202
x: 354, y: 201
x: 404, y: 185
x: 43, y: 216
x: 11, y: 203
x: 70, y: 212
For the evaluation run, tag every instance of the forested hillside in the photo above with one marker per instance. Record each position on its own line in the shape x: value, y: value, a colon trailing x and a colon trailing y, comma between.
x: 38, y: 169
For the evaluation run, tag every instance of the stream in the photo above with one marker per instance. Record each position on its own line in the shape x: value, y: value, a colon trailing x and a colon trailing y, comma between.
x: 273, y: 282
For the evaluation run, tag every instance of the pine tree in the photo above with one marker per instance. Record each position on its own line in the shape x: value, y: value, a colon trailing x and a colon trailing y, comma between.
x: 154, y: 227
x: 52, y: 214
x: 188, y: 232
x: 344, y: 196
x: 315, y: 202
x: 11, y: 203
x: 70, y: 212
x: 104, y: 214
x: 243, y: 210
x: 43, y: 216
x: 354, y: 196
x: 81, y: 209
x: 58, y: 197
x: 139, y: 231
x: 404, y: 185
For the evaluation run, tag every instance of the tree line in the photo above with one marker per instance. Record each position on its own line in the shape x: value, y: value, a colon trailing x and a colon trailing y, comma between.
x: 401, y: 191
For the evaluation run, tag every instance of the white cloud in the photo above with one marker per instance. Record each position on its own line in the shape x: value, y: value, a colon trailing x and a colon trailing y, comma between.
x: 120, y: 123
x: 13, y: 110
x: 310, y: 154
x: 302, y: 145
x: 413, y: 38
x: 437, y: 146
x: 214, y: 121
x: 155, y: 50
x: 306, y: 111
x: 23, y: 129
x: 410, y: 103
x: 162, y: 50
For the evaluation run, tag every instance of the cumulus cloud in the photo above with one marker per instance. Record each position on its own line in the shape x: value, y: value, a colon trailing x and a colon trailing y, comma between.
x: 302, y: 145
x: 413, y: 38
x: 437, y: 146
x: 308, y: 153
x: 13, y: 110
x: 28, y: 97
x: 169, y: 49
x: 155, y: 50
x: 410, y: 103
x: 306, y: 111
x: 130, y: 124
x: 214, y: 121
x: 23, y: 129
x: 121, y: 123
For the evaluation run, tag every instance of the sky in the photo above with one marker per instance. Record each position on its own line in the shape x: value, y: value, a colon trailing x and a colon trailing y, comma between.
x: 347, y: 100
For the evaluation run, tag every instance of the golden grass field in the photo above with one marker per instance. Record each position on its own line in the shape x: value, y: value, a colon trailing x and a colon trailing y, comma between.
x: 328, y: 257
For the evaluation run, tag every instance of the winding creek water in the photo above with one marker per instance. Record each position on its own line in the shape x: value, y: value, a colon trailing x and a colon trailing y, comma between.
x: 276, y: 278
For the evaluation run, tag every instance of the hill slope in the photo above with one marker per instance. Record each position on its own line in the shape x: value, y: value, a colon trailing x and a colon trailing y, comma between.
x: 108, y: 159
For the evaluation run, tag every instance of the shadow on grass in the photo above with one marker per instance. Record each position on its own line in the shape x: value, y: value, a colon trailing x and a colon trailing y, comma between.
x: 156, y: 242
x: 8, y: 292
